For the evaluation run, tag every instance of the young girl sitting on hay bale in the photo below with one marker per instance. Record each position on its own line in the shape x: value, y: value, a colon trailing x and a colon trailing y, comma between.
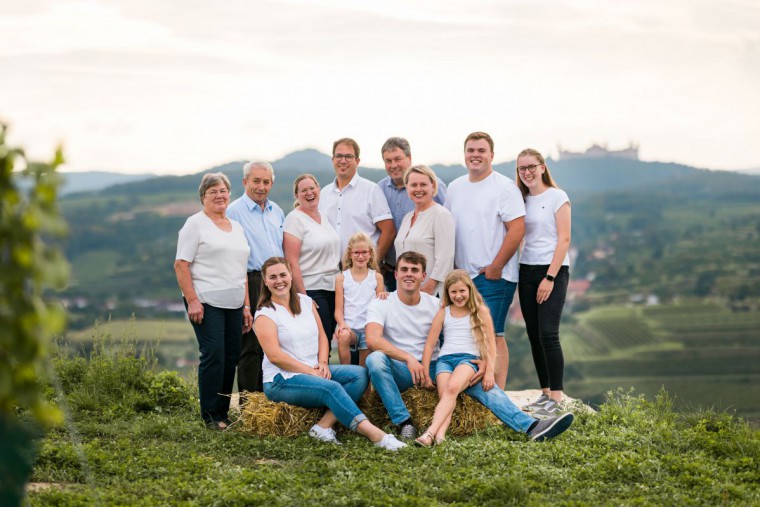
x: 468, y: 335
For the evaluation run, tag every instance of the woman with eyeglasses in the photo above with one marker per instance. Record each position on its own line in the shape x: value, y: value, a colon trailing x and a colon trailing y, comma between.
x: 428, y: 229
x: 211, y: 263
x: 544, y: 275
x: 312, y: 247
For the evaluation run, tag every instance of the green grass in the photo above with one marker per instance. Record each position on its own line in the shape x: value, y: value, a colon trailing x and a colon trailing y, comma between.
x: 135, y: 438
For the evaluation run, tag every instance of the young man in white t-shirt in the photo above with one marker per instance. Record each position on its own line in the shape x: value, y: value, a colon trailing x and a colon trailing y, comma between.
x: 397, y: 329
x: 489, y: 213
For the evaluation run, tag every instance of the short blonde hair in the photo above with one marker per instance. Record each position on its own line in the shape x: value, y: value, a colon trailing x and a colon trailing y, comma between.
x: 425, y: 171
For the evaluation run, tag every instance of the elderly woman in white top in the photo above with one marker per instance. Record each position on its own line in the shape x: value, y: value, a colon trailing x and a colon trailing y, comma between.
x: 211, y: 260
x: 312, y: 247
x: 295, y: 360
x: 428, y: 229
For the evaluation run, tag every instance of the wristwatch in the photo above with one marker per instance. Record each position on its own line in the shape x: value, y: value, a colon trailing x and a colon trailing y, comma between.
x: 550, y: 278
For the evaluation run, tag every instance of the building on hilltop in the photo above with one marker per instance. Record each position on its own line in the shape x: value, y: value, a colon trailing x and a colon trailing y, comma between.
x: 601, y: 151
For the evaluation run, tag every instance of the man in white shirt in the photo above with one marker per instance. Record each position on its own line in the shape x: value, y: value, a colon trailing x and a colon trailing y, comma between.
x: 489, y: 213
x: 354, y: 204
x: 262, y: 222
x: 397, y: 329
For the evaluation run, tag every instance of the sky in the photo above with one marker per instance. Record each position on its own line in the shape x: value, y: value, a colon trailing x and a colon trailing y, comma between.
x: 170, y: 87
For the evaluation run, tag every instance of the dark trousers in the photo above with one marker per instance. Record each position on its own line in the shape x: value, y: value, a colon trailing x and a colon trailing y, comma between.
x: 219, y: 336
x: 542, y: 323
x: 389, y: 278
x: 250, y: 377
x: 325, y: 300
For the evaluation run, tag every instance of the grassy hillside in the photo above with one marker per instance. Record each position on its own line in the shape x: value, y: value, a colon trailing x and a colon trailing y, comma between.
x: 704, y: 354
x: 134, y: 438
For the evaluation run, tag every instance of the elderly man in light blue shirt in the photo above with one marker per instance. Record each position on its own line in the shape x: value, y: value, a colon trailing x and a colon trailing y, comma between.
x: 262, y: 222
x: 397, y: 156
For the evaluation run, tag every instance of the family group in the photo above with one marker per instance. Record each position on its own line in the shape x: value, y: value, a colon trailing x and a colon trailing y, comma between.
x: 364, y: 265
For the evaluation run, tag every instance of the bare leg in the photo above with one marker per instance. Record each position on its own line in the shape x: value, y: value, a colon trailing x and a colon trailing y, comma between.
x: 345, y: 340
x: 502, y: 362
x: 555, y: 395
x: 363, y: 357
x: 328, y: 420
x: 454, y: 384
x: 369, y: 430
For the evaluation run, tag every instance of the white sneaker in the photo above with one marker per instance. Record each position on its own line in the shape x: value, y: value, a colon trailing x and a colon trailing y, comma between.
x: 324, y: 434
x: 390, y: 443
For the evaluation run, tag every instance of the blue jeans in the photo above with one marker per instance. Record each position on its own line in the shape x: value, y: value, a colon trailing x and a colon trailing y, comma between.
x: 449, y: 362
x: 219, y: 335
x: 391, y: 377
x: 339, y: 394
x: 497, y: 294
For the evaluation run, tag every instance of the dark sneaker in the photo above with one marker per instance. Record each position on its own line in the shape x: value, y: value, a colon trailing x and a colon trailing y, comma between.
x: 408, y: 432
x: 550, y: 409
x: 538, y: 404
x: 549, y: 428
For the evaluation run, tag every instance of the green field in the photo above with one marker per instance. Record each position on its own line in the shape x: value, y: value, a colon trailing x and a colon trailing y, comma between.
x: 702, y: 354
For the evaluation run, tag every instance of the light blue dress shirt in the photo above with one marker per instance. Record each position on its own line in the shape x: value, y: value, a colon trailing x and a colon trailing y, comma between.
x: 400, y: 204
x: 262, y: 227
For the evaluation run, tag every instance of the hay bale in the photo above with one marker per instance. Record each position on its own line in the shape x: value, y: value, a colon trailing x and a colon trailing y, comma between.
x: 261, y: 417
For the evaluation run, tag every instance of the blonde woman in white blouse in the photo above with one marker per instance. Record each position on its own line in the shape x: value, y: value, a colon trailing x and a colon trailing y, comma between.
x: 312, y: 246
x: 428, y: 229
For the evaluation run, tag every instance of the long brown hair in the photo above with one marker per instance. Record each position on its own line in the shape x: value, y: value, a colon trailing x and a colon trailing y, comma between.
x: 546, y: 177
x: 474, y: 305
x: 360, y: 237
x: 265, y: 299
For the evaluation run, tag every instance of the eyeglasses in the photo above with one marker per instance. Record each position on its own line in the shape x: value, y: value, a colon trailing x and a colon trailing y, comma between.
x: 530, y: 168
x: 360, y: 253
x: 348, y: 157
x: 214, y: 193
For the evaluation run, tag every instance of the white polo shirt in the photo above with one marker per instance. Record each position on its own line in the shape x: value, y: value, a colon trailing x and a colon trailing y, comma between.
x: 404, y: 326
x: 480, y: 210
x: 356, y: 208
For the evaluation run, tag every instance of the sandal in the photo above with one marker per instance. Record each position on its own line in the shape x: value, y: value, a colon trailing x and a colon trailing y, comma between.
x: 427, y: 439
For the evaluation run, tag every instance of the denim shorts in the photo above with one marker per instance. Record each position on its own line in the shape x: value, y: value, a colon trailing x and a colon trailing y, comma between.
x: 497, y: 294
x: 361, y: 340
x: 447, y: 363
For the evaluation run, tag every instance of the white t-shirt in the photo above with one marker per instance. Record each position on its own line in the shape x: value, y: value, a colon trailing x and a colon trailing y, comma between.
x: 320, y: 249
x: 356, y: 208
x: 405, y: 327
x: 217, y: 258
x: 541, y: 227
x: 432, y: 235
x: 480, y: 210
x: 356, y: 298
x: 457, y: 335
x: 298, y: 336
